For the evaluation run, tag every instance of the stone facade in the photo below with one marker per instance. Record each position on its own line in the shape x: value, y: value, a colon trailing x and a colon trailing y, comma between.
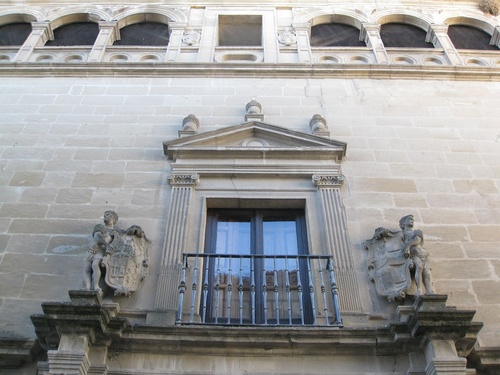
x: 80, y: 138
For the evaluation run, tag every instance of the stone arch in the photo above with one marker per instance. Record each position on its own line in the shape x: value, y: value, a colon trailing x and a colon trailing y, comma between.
x: 150, y: 13
x: 410, y: 18
x: 477, y: 21
x: 21, y: 17
x: 318, y: 17
x: 72, y: 15
x: 142, y: 17
x: 335, y: 30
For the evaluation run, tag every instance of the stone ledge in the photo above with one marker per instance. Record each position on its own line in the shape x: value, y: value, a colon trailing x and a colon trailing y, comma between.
x: 243, y: 70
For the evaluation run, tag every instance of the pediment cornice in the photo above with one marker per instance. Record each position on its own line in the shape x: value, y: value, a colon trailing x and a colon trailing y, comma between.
x: 254, y: 140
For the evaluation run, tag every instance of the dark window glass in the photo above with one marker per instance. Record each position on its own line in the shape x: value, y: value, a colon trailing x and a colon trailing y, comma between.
x: 467, y: 37
x: 257, y: 232
x: 144, y: 34
x: 240, y: 31
x: 335, y: 35
x: 14, y: 34
x: 403, y: 35
x: 75, y: 34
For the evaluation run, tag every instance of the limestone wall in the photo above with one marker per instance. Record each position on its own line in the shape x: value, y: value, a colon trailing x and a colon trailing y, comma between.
x: 74, y: 147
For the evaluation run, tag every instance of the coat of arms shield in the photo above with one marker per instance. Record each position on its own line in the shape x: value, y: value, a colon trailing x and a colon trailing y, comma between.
x: 387, y: 265
x: 127, y: 264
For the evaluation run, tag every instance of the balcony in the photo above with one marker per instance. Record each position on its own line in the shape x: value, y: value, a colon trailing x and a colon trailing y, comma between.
x: 258, y: 290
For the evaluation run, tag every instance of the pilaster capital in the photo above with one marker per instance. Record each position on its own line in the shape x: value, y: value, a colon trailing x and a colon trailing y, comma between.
x: 43, y: 27
x: 322, y: 181
x: 183, y: 179
x: 441, y: 28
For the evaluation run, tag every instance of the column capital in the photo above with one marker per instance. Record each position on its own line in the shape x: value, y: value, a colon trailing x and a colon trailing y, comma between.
x: 183, y: 179
x: 328, y: 180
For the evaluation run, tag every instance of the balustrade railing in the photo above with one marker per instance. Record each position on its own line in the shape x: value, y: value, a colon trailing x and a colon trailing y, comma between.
x: 258, y: 290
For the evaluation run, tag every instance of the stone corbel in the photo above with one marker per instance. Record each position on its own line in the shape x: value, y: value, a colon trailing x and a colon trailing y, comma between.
x: 76, y: 334
x: 448, y: 334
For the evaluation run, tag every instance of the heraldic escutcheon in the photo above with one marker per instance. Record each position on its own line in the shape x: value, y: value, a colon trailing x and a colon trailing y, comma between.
x: 122, y: 253
x: 396, y: 259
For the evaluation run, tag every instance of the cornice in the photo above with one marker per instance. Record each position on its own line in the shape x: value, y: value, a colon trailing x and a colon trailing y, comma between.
x: 243, y: 70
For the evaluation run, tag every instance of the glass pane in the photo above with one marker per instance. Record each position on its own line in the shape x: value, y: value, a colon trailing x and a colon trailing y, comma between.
x: 281, y: 275
x: 233, y: 237
x: 231, y: 278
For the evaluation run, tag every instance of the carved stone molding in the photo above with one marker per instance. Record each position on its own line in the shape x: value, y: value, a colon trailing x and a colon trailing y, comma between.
x: 328, y: 180
x: 183, y: 179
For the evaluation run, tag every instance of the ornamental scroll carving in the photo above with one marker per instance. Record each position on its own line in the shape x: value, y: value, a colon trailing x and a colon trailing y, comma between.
x: 118, y: 257
x: 397, y: 262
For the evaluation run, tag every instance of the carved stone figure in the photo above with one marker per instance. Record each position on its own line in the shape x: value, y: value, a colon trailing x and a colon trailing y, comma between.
x: 414, y: 242
x: 123, y: 254
x: 396, y: 259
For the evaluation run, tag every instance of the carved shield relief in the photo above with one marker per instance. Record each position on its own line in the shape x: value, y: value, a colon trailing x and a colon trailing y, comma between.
x: 127, y: 265
x: 387, y: 266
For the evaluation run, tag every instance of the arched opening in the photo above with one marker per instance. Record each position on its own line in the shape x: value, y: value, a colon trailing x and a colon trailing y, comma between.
x: 144, y: 34
x: 469, y: 37
x: 14, y: 34
x: 403, y: 35
x: 335, y: 35
x: 75, y: 34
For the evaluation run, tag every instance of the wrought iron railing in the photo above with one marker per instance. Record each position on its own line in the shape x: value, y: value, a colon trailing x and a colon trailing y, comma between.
x: 258, y: 290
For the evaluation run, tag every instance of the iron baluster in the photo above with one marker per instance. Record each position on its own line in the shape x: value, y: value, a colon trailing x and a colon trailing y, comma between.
x: 276, y: 293
x: 311, y: 290
x: 299, y: 293
x: 323, y: 292
x: 264, y: 293
x: 229, y: 290
x: 287, y: 283
x: 182, y: 288
x: 335, y: 294
x: 193, y: 289
x: 217, y: 289
x: 205, y: 291
x: 252, y: 287
x: 240, y: 291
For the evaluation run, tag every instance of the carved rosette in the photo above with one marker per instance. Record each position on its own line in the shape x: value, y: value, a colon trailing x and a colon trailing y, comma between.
x: 328, y: 180
x: 183, y: 179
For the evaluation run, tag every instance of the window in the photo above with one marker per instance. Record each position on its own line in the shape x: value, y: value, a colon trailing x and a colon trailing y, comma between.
x: 237, y: 31
x: 75, y: 34
x: 335, y: 35
x: 144, y: 34
x: 14, y: 34
x: 270, y: 280
x: 403, y: 35
x: 467, y: 37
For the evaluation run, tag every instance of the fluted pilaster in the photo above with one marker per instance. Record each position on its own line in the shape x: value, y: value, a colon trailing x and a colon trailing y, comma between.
x: 337, y: 240
x: 177, y: 223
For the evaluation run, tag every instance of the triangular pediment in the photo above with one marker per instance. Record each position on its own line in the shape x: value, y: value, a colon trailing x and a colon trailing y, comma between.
x: 253, y: 138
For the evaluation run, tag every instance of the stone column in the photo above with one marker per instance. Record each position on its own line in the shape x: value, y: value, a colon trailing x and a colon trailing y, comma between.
x: 175, y: 41
x: 176, y: 231
x: 337, y: 241
x: 438, y: 35
x: 108, y: 33
x: 303, y: 42
x: 370, y: 33
x: 71, y: 357
x: 41, y: 32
